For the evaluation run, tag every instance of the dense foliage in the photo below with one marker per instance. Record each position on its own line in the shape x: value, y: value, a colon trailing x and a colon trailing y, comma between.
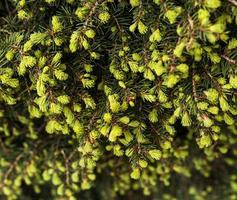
x: 118, y: 99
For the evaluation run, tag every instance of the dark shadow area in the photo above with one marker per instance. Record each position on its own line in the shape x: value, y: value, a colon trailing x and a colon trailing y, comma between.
x: 6, y: 8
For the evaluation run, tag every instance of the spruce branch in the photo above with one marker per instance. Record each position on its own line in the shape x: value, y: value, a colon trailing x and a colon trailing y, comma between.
x: 113, y: 97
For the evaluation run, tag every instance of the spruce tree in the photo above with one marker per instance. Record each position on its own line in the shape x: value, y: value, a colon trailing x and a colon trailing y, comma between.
x: 118, y: 99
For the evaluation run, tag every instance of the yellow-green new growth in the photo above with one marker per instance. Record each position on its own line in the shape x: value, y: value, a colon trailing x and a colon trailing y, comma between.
x: 115, y: 132
x: 57, y: 25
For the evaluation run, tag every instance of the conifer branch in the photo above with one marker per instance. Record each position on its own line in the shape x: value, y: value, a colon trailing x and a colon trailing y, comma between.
x: 109, y: 97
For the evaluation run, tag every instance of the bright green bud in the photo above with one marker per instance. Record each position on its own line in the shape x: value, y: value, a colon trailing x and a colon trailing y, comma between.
x: 149, y: 75
x: 85, y: 44
x: 40, y: 87
x: 148, y: 97
x: 162, y: 96
x: 135, y: 3
x: 155, y: 36
x: 177, y: 112
x: 63, y: 99
x: 212, y: 3
x: 156, y: 2
x: 90, y: 33
x: 10, y: 55
x: 22, y: 3
x: 81, y: 12
x: 215, y: 58
x: 233, y: 81
x: 224, y: 104
x: 26, y: 62
x: 104, y: 17
x: 142, y: 163
x: 75, y: 177
x: 122, y: 84
x: 133, y: 66
x: 107, y: 117
x: 124, y: 120
x: 60, y: 75
x: 153, y: 116
x: 85, y: 185
x: 171, y: 80
x: 205, y: 141
x: 142, y: 28
x: 115, y: 132
x: 58, y: 41
x: 212, y: 38
x: 216, y: 129
x: 228, y: 119
x: 173, y: 14
x: 170, y: 129
x: 186, y: 120
x: 57, y: 25
x: 178, y: 51
x: 52, y: 126
x: 213, y: 110
x: 56, y: 179
x: 34, y: 111
x: 232, y: 44
x: 77, y: 108
x: 46, y: 175
x: 73, y: 46
x: 166, y: 144
x: 49, y: 1
x: 78, y: 127
x: 117, y: 150
x: 183, y: 68
x: 212, y: 94
x: 203, y: 16
x: 133, y: 27
x: 105, y: 130
x: 23, y: 15
x: 207, y: 122
x: 135, y: 174
x: 55, y: 108
x: 114, y: 105
x: 159, y: 68
x: 95, y: 55
x: 57, y: 58
x: 136, y: 57
x: 202, y: 105
x: 217, y: 28
x: 155, y: 153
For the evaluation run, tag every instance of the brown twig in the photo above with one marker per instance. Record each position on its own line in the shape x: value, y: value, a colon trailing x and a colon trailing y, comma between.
x: 192, y: 34
x: 92, y: 11
x: 118, y: 25
x: 67, y: 159
x: 67, y: 167
x: 11, y: 168
x: 5, y: 31
x: 5, y: 150
x: 217, y: 85
x: 233, y: 2
x: 194, y: 88
x: 229, y: 59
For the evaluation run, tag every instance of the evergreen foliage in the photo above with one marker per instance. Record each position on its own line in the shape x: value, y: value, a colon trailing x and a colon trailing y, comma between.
x: 128, y: 99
